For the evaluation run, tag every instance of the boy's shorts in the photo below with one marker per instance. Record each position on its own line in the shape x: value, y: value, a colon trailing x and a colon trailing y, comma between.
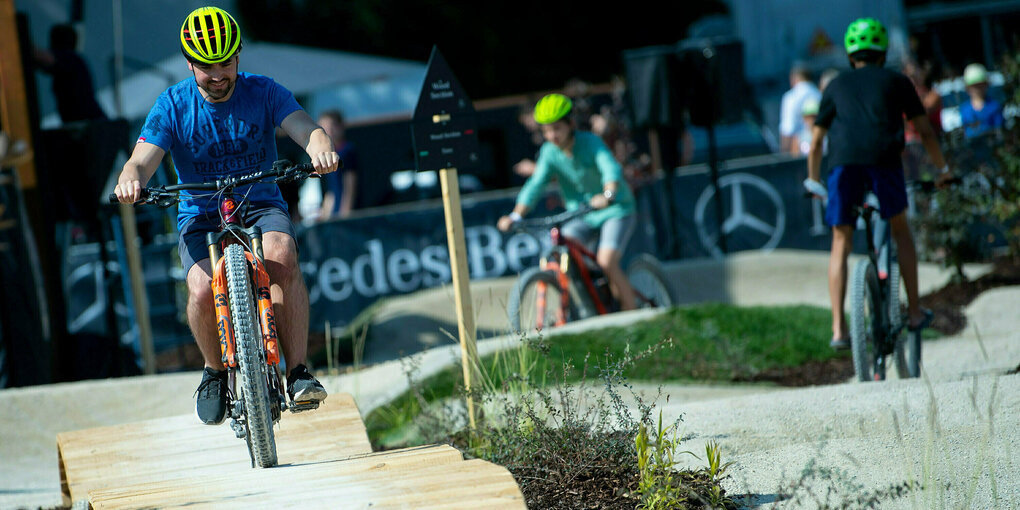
x: 612, y: 235
x: 849, y: 183
x: 192, y: 245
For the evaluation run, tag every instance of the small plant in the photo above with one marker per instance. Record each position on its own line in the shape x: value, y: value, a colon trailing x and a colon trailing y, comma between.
x: 659, y: 486
x: 716, y: 468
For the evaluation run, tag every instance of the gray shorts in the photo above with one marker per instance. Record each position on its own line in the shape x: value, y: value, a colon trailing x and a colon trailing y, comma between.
x: 192, y: 244
x: 612, y: 235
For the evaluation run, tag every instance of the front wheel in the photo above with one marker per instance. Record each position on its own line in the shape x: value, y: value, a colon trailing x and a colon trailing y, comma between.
x: 648, y: 279
x: 908, y: 345
x: 537, y: 302
x: 866, y: 322
x: 908, y: 355
x: 251, y: 360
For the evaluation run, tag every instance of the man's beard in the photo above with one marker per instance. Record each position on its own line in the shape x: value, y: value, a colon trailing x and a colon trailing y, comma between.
x: 220, y: 95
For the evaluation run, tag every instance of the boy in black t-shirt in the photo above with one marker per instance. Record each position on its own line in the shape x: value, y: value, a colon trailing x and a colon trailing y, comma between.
x: 862, y: 113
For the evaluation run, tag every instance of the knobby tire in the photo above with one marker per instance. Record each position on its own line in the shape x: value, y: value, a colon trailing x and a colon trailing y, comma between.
x: 647, y: 277
x: 251, y: 359
x: 908, y: 345
x: 865, y: 319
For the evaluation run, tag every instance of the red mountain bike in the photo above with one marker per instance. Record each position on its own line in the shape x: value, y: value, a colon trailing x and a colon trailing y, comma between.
x: 568, y: 283
x: 244, y: 307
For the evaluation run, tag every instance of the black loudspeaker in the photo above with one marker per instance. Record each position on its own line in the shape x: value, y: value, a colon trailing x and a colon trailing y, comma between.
x: 703, y: 77
x: 714, y: 71
x: 654, y: 88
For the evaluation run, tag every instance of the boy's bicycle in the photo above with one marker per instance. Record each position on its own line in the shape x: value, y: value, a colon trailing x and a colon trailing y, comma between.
x: 569, y: 285
x: 876, y: 320
x: 244, y: 307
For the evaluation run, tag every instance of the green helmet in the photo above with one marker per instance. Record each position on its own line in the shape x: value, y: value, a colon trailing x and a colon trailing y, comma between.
x: 552, y: 108
x: 866, y: 34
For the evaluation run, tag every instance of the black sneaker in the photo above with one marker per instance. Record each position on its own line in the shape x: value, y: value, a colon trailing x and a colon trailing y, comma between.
x: 302, y: 387
x: 211, y: 406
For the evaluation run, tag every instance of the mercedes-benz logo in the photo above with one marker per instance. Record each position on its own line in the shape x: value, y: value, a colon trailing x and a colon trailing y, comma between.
x: 763, y: 225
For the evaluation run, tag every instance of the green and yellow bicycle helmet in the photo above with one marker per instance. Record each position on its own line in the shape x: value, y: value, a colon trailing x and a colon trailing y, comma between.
x: 552, y: 108
x: 210, y: 35
x: 866, y: 34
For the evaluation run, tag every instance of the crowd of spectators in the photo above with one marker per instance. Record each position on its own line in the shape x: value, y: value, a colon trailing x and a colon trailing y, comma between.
x: 981, y: 115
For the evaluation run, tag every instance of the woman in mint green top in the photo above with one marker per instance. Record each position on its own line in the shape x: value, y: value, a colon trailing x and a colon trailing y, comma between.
x: 586, y: 172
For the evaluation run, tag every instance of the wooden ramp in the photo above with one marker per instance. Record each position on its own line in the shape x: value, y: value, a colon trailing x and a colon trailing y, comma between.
x: 326, y: 461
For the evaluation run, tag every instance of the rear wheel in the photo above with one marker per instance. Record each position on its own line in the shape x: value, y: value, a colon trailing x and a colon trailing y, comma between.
x: 649, y: 281
x: 251, y: 360
x: 535, y: 302
x: 865, y: 322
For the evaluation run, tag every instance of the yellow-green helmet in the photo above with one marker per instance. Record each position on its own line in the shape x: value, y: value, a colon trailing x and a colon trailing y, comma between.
x: 866, y: 34
x: 552, y: 108
x: 210, y: 35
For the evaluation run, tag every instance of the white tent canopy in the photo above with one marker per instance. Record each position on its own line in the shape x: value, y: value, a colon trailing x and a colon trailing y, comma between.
x: 360, y: 85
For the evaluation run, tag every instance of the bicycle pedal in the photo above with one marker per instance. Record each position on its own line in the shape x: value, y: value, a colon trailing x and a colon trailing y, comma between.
x: 307, y: 405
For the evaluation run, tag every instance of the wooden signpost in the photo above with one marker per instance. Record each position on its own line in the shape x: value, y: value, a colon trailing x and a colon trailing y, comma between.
x: 444, y: 139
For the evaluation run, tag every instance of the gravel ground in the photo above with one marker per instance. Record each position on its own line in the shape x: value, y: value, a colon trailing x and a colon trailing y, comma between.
x: 953, y: 431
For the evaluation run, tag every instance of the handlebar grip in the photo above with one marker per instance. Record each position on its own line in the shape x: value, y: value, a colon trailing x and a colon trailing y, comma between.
x: 112, y: 197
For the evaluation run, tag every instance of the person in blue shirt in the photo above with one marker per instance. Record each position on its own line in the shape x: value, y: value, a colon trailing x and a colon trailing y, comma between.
x: 341, y: 187
x: 588, y: 173
x: 981, y: 115
x: 218, y: 123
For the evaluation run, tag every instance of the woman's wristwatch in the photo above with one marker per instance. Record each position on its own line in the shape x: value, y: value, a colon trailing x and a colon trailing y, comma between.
x: 610, y: 195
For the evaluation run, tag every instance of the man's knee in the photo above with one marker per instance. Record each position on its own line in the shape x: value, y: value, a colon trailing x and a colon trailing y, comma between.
x: 280, y: 252
x: 199, y: 284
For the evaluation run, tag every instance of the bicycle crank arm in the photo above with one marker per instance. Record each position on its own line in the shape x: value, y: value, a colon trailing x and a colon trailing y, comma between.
x: 238, y: 428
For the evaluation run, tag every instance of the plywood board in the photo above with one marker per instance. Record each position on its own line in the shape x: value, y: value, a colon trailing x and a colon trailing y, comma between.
x: 169, y: 448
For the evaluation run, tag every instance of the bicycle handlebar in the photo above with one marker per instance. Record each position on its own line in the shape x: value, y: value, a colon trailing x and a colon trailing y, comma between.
x: 555, y: 219
x: 282, y: 171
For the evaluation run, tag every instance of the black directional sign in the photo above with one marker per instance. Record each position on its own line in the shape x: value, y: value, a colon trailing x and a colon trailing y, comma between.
x: 444, y: 121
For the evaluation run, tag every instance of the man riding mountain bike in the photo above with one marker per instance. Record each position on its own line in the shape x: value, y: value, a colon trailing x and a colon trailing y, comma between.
x: 220, y: 123
x: 588, y: 173
x: 862, y: 114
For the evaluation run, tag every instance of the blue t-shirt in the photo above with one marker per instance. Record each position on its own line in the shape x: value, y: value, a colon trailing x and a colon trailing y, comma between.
x: 213, y: 140
x: 976, y: 123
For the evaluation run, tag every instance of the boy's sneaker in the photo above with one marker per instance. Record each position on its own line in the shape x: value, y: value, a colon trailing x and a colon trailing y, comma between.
x: 926, y: 317
x: 840, y: 343
x: 302, y: 387
x: 211, y: 405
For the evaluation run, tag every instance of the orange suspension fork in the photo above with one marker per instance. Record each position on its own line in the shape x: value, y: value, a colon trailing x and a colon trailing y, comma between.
x: 564, y: 304
x: 265, y: 306
x: 223, y: 324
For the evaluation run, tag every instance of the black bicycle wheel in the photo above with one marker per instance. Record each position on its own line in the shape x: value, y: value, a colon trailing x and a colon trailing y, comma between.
x: 908, y: 345
x: 865, y: 320
x: 908, y: 355
x: 535, y: 301
x: 649, y: 280
x: 251, y: 360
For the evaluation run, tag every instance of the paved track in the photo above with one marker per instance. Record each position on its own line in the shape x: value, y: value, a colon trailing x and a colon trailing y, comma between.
x: 772, y: 434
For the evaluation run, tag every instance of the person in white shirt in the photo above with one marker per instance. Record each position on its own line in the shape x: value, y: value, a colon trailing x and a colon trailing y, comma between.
x: 790, y: 119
